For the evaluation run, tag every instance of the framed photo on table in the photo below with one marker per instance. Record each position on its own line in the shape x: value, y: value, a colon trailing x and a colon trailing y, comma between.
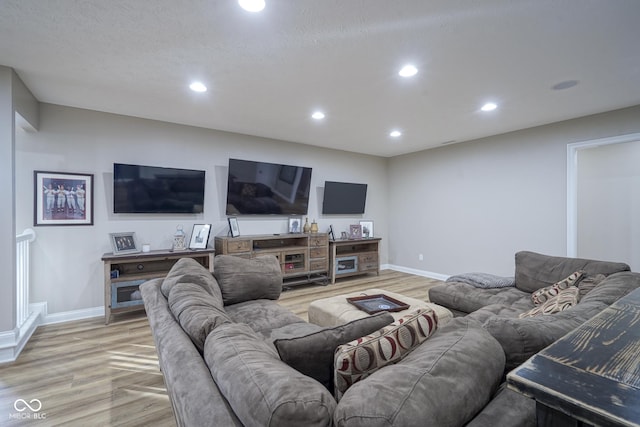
x: 355, y: 231
x: 367, y: 229
x: 295, y: 224
x: 124, y: 243
x: 62, y: 198
x: 233, y: 226
x: 200, y: 236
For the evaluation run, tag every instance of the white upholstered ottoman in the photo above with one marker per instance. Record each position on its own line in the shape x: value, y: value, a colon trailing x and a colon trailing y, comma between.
x: 335, y: 311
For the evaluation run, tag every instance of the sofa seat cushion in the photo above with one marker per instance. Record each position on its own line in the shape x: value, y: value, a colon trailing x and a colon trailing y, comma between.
x: 535, y: 271
x: 188, y: 270
x: 613, y: 287
x: 507, y: 408
x: 261, y: 389
x: 467, y: 298
x: 263, y: 316
x: 243, y: 279
x: 522, y: 338
x: 444, y: 382
x: 491, y: 310
x: 197, y: 311
x: 312, y: 354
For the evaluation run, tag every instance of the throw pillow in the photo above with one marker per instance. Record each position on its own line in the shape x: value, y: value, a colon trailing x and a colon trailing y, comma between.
x: 360, y: 358
x: 243, y: 279
x: 566, y: 298
x: 541, y: 295
x: 312, y: 354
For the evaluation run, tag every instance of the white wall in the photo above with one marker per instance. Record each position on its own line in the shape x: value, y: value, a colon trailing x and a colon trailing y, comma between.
x: 609, y: 203
x: 68, y: 269
x: 471, y: 206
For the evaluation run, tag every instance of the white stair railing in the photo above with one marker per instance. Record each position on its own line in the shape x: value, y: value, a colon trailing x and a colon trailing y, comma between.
x: 23, y: 258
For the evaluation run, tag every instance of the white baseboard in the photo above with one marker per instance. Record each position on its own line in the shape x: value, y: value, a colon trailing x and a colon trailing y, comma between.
x: 417, y: 272
x: 12, y: 342
x: 69, y: 316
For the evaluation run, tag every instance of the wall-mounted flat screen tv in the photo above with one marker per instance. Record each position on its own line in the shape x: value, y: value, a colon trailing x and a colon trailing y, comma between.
x: 150, y: 189
x: 260, y: 188
x: 344, y: 198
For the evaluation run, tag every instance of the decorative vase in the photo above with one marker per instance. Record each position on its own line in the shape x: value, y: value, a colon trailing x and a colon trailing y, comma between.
x: 179, y: 243
x: 306, y: 227
x: 314, y: 226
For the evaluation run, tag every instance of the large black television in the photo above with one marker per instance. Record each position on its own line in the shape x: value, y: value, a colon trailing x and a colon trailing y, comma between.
x: 260, y: 188
x: 344, y: 198
x: 151, y: 189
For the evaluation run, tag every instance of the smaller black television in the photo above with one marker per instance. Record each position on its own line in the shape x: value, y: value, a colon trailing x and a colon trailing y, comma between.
x: 151, y: 189
x: 344, y: 198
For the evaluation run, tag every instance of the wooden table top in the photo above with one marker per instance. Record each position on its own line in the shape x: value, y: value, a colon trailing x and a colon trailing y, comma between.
x: 592, y: 373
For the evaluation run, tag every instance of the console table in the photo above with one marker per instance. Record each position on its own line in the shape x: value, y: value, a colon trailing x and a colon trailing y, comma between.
x: 123, y: 274
x: 591, y: 376
x: 354, y: 256
x: 303, y: 258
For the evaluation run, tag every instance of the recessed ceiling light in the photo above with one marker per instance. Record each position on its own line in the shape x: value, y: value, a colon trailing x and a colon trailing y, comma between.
x: 252, y: 5
x: 489, y: 106
x: 318, y: 115
x: 197, y: 87
x: 408, y: 71
x: 395, y: 134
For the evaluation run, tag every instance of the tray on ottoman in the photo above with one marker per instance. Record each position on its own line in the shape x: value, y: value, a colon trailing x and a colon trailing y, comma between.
x: 372, y: 304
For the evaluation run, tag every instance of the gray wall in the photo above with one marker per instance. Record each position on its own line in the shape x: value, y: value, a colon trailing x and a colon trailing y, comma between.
x: 471, y: 206
x: 68, y: 270
x: 609, y: 203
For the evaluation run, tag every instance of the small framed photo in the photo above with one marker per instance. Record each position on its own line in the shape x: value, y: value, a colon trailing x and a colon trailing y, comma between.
x: 295, y: 224
x: 367, y: 229
x: 124, y: 243
x: 62, y: 198
x: 355, y: 231
x: 233, y: 226
x: 200, y: 236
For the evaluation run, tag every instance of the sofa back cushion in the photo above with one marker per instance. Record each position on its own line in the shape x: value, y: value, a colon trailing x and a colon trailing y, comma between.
x: 613, y: 287
x: 242, y: 279
x: 188, y: 270
x: 197, y: 311
x: 261, y: 389
x: 535, y: 271
x: 312, y: 354
x: 445, y: 381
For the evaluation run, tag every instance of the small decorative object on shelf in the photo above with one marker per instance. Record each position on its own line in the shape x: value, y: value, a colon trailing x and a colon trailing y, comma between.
x: 306, y: 227
x: 234, y: 230
x: 200, y: 236
x: 367, y: 229
x: 124, y: 243
x: 314, y: 226
x: 179, y: 240
x: 295, y: 224
x: 355, y: 231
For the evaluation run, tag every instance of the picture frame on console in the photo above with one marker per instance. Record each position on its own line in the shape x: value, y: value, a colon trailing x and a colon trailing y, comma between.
x: 124, y: 243
x: 62, y: 198
x: 295, y: 224
x: 355, y: 231
x: 234, y: 230
x: 367, y: 229
x: 200, y: 236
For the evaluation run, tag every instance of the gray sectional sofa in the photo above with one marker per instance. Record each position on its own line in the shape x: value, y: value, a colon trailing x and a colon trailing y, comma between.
x: 499, y: 309
x: 231, y: 356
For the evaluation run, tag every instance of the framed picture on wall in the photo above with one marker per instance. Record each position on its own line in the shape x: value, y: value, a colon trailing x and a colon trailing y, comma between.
x: 367, y: 229
x: 62, y: 198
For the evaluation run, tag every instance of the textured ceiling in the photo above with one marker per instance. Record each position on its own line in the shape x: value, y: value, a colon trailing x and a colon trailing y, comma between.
x: 267, y: 72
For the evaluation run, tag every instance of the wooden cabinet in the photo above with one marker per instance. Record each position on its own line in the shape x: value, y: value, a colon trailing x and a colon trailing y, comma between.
x: 123, y: 274
x: 303, y: 257
x: 352, y: 257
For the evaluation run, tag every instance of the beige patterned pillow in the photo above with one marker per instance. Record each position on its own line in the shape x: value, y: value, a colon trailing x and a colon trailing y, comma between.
x: 360, y: 358
x: 566, y: 298
x: 542, y: 295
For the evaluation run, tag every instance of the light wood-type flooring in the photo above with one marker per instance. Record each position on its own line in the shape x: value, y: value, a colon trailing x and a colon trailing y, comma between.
x: 86, y: 373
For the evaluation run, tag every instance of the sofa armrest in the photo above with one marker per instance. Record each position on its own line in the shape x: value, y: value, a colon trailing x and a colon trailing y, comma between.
x: 195, y: 397
x: 522, y: 338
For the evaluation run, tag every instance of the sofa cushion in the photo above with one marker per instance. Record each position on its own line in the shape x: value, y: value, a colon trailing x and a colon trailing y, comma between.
x: 565, y: 299
x: 443, y: 382
x: 507, y: 408
x: 360, y: 358
x: 188, y: 270
x: 263, y: 316
x: 467, y: 298
x: 522, y: 338
x: 243, y: 279
x: 535, y: 271
x: 312, y: 354
x: 197, y: 311
x: 613, y: 287
x: 261, y: 389
x: 543, y: 294
x: 483, y: 280
x: 588, y: 283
